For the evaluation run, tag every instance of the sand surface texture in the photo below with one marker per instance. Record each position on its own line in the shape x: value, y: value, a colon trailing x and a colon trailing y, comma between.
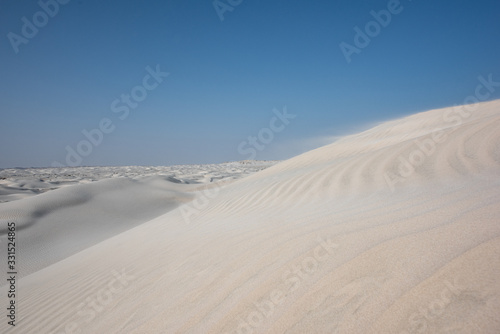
x: 392, y: 230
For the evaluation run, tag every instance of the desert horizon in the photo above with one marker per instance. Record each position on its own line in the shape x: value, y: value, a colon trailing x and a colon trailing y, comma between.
x: 249, y: 167
x: 391, y: 230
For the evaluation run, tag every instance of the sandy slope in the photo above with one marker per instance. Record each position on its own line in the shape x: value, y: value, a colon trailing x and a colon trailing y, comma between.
x: 393, y: 230
x: 80, y: 207
x: 60, y: 223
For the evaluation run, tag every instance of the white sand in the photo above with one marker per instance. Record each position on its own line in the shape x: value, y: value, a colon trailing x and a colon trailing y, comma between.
x: 342, y: 239
x: 100, y: 203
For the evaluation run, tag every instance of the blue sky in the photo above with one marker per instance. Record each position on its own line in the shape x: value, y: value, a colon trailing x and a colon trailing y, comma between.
x: 226, y: 76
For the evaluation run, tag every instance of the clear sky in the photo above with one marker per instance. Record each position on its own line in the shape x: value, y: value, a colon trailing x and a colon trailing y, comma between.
x: 84, y: 65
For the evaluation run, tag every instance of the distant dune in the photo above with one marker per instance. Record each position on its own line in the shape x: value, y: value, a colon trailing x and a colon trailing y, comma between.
x: 392, y: 230
x: 79, y: 207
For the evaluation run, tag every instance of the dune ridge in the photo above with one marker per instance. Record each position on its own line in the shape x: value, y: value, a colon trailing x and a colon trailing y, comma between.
x: 365, y: 235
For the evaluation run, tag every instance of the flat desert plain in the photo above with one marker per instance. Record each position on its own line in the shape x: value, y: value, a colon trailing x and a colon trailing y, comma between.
x: 392, y: 230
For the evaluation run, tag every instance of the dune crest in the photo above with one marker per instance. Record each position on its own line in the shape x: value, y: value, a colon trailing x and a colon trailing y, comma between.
x: 392, y: 230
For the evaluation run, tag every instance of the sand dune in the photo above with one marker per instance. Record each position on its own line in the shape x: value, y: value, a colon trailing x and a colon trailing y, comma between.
x: 60, y: 223
x: 18, y: 183
x: 392, y: 230
x: 80, y: 207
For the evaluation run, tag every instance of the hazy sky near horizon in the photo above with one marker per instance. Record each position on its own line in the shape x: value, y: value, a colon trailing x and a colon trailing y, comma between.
x: 99, y: 67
